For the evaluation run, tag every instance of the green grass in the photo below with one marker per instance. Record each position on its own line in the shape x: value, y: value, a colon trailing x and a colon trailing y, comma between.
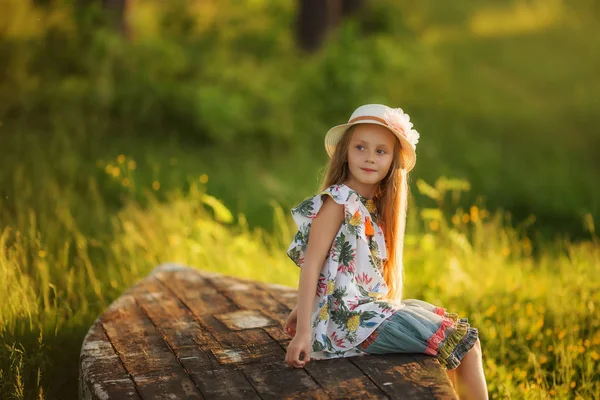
x: 72, y: 249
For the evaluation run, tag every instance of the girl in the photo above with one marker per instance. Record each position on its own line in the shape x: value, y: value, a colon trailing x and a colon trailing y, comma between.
x: 349, y: 245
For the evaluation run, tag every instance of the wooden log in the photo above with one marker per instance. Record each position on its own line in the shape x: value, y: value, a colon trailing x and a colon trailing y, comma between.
x: 190, y: 334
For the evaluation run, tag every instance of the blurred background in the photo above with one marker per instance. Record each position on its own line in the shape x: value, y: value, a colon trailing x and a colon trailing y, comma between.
x: 135, y: 132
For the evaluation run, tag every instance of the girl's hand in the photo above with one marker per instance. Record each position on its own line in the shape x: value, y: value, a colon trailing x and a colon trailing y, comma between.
x: 298, y: 351
x: 290, y: 324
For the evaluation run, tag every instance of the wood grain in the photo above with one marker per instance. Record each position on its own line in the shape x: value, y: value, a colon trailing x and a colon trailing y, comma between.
x: 183, y: 333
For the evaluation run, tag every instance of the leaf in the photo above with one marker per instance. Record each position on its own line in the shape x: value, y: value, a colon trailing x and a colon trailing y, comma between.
x: 305, y: 208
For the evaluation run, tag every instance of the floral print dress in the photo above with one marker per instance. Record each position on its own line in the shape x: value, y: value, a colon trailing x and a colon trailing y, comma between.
x: 347, y: 308
x: 349, y: 318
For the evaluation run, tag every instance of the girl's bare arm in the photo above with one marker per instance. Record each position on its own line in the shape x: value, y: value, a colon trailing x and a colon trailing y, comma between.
x: 322, y: 232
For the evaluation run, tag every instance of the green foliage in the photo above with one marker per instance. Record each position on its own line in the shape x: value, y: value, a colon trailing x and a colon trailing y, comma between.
x: 490, y: 86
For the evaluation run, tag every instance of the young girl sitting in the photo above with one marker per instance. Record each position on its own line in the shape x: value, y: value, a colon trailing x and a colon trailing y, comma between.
x: 349, y: 245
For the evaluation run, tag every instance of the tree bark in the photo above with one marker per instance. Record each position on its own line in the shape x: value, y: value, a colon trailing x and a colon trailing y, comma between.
x: 317, y: 17
x: 117, y: 10
x: 350, y: 7
x: 313, y: 23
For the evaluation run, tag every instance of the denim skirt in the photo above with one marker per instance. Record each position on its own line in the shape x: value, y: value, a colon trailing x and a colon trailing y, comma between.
x: 421, y: 327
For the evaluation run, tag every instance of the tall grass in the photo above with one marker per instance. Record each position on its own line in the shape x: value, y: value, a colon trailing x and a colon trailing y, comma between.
x: 534, y: 303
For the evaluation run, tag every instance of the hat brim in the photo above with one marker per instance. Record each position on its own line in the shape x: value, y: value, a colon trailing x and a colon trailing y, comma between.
x: 334, y: 135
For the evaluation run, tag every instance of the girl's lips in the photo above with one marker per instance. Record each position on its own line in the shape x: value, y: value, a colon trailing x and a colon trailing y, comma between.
x: 368, y: 170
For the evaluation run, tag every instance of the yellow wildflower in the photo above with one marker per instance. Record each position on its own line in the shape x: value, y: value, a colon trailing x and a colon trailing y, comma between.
x: 353, y: 322
x: 474, y: 213
x: 529, y: 309
x: 434, y: 225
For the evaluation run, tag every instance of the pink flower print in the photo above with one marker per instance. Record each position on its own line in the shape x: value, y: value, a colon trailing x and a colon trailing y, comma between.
x: 321, y: 286
x: 350, y: 268
x: 347, y: 269
x: 352, y: 304
x: 332, y: 253
x: 364, y: 278
x: 336, y: 305
x: 398, y: 120
x: 339, y: 342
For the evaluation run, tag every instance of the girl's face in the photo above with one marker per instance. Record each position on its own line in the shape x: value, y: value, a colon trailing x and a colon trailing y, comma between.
x: 370, y: 153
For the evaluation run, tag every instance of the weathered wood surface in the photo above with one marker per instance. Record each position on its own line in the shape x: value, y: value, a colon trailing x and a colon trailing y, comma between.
x: 182, y: 333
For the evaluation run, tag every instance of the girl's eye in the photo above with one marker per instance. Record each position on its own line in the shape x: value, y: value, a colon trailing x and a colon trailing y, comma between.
x: 382, y: 151
x: 360, y: 147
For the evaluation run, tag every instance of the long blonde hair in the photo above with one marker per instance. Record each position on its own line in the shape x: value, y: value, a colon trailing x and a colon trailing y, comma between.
x: 391, y: 200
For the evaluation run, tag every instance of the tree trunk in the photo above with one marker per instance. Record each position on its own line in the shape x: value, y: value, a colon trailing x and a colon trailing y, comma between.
x: 350, y: 7
x: 317, y: 17
x: 117, y: 10
x: 313, y: 23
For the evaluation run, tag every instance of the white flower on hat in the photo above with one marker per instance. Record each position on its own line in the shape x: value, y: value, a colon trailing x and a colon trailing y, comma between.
x: 398, y: 120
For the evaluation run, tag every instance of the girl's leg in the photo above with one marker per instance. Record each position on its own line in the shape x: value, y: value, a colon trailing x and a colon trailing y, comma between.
x: 470, y: 376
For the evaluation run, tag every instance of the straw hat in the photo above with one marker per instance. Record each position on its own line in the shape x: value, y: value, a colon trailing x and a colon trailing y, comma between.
x: 392, y: 118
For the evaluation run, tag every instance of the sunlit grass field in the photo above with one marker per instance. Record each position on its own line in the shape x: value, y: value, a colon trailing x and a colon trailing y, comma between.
x: 67, y: 253
x: 116, y: 156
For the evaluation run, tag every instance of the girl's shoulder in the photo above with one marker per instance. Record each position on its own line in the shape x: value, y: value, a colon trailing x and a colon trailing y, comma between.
x: 340, y: 193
